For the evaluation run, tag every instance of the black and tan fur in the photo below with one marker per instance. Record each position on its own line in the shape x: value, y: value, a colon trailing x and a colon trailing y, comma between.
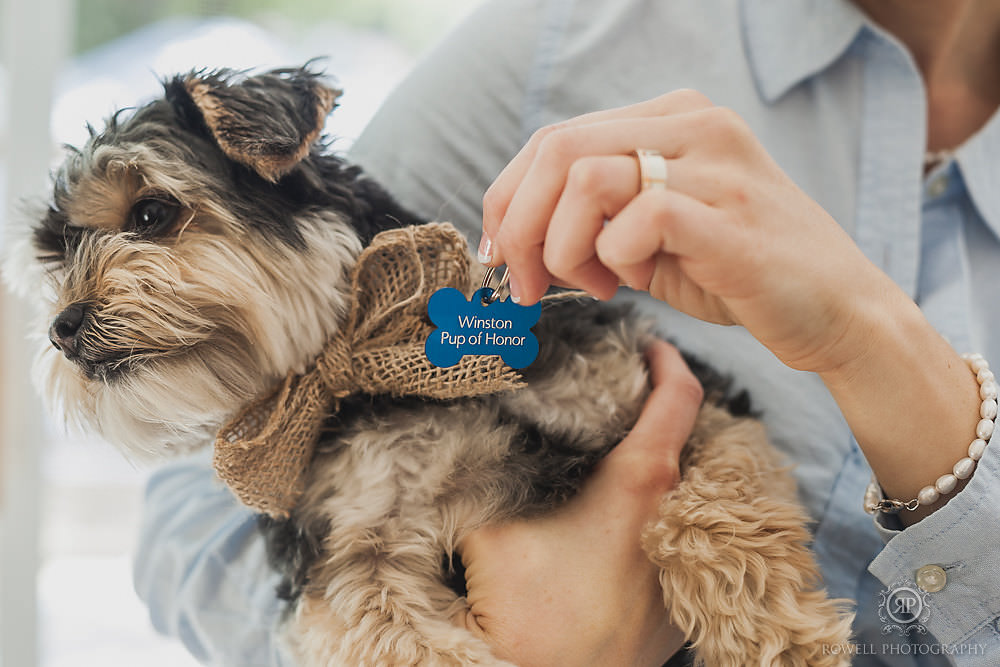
x: 197, y: 249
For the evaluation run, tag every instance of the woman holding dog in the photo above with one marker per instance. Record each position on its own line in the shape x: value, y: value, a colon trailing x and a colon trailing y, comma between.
x: 830, y: 188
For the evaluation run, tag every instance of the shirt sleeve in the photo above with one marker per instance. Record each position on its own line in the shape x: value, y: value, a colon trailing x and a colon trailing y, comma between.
x: 961, y: 539
x: 201, y: 568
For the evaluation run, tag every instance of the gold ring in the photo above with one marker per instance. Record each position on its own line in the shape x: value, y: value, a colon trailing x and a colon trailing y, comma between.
x: 652, y: 169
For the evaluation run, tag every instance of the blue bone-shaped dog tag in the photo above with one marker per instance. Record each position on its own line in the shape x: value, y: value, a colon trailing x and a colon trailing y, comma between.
x: 476, y: 327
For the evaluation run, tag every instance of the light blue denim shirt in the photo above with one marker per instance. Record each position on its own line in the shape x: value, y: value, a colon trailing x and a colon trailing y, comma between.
x: 841, y: 107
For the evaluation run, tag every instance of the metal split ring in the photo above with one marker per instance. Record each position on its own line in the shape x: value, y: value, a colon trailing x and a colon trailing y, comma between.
x: 504, y: 283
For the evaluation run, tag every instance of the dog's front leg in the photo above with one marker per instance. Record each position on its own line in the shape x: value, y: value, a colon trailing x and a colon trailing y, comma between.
x: 383, y: 605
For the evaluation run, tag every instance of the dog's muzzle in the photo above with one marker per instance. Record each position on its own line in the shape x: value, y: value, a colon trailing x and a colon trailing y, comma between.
x: 73, y: 332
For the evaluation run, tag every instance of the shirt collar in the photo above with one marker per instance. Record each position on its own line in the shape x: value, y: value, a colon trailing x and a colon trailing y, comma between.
x: 788, y: 41
x: 977, y: 158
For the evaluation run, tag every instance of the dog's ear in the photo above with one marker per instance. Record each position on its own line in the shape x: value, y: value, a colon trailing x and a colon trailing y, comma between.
x: 267, y: 122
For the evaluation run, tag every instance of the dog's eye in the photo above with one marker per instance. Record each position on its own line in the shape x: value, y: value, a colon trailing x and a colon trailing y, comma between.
x: 151, y: 216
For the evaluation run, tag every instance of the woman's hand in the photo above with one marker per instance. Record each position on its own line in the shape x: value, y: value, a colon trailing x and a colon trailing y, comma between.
x: 575, y: 588
x: 730, y: 240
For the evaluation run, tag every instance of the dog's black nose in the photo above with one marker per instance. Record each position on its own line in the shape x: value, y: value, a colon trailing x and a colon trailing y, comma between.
x: 65, y: 329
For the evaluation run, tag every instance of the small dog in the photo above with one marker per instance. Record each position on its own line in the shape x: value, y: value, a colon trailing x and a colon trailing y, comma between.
x: 197, y: 250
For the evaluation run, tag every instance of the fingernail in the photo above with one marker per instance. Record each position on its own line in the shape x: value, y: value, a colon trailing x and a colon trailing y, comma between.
x: 485, y: 253
x: 515, y: 289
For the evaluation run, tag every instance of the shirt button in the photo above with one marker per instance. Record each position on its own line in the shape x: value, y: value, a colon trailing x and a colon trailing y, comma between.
x: 931, y: 578
x: 938, y: 186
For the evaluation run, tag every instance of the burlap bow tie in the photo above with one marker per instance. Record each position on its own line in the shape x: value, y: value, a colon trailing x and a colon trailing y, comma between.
x: 263, y: 454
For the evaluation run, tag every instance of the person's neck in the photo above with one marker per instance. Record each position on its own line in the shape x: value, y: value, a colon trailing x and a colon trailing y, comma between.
x: 956, y: 46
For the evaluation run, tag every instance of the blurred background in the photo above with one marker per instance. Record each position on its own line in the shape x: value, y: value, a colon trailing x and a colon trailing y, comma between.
x: 69, y: 507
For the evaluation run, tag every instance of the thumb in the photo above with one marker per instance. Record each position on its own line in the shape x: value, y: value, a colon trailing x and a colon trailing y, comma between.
x: 648, y: 458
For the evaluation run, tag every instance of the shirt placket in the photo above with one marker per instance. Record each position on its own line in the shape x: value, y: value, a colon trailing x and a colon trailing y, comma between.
x: 943, y: 287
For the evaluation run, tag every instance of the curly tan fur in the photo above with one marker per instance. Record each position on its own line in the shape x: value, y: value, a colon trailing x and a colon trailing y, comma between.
x: 737, y: 573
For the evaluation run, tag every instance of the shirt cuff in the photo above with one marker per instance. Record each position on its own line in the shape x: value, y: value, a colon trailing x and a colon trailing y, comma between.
x: 961, y: 538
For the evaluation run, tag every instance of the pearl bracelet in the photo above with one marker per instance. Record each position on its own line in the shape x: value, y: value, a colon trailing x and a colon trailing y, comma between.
x: 875, y: 501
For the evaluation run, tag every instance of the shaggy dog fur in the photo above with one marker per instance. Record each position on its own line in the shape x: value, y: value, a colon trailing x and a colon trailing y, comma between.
x: 197, y: 249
